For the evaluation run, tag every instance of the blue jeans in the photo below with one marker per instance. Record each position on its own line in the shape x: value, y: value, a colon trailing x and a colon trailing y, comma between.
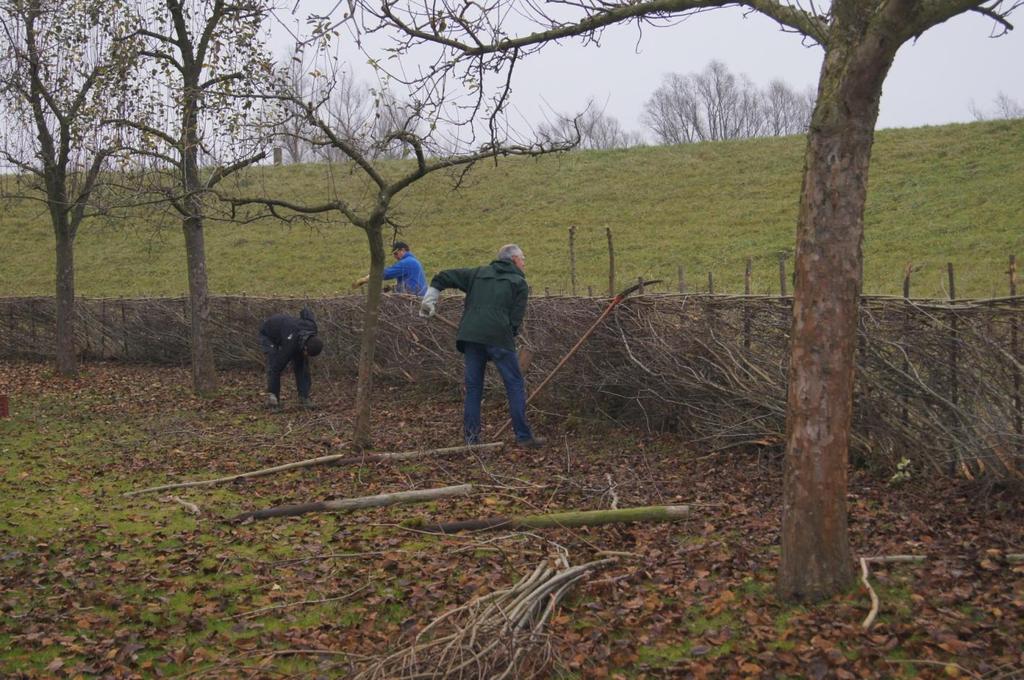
x: 477, y: 355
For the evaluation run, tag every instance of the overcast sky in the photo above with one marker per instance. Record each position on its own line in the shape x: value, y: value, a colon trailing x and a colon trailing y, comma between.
x: 933, y: 81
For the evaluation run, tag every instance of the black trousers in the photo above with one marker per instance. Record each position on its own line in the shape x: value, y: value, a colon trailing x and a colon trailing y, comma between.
x: 278, y: 358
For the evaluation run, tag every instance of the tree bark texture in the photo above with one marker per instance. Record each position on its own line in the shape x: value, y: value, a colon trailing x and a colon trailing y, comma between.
x: 816, y: 561
x: 204, y: 374
x: 67, y: 357
x: 368, y: 345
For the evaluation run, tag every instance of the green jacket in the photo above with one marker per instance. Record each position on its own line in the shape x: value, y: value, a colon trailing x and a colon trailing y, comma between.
x: 496, y: 297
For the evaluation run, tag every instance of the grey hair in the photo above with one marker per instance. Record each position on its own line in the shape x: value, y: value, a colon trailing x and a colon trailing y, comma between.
x: 509, y: 251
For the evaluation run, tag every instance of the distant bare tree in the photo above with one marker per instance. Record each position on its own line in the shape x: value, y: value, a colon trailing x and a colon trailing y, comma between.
x: 349, y: 112
x: 365, y: 118
x: 786, y: 112
x: 1004, y: 108
x: 672, y: 112
x: 716, y: 104
x: 596, y: 130
x: 292, y: 131
x: 391, y: 116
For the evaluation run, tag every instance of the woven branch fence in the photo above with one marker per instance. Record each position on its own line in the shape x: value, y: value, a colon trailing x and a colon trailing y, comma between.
x: 938, y: 383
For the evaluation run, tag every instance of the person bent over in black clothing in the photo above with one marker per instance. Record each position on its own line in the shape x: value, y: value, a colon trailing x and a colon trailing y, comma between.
x: 285, y: 339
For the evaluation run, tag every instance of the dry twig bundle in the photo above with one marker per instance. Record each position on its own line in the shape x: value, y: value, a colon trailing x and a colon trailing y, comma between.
x: 498, y: 635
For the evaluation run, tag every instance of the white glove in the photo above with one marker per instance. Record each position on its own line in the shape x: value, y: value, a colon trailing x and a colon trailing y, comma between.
x: 428, y: 307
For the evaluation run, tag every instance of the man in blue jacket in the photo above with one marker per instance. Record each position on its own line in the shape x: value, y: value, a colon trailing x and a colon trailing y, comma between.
x: 407, y: 272
x: 496, y: 296
x: 285, y: 339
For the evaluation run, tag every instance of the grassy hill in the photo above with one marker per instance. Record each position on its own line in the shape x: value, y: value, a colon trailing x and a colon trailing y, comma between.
x: 937, y: 194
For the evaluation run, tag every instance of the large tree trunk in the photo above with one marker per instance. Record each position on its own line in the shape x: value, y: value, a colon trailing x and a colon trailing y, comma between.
x: 816, y: 561
x: 67, y: 359
x: 204, y: 374
x: 364, y: 387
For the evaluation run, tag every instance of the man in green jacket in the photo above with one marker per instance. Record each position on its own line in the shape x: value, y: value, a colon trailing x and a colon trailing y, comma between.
x: 496, y: 296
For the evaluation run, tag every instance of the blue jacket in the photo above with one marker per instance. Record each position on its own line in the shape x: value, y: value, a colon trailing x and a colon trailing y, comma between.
x: 409, y: 275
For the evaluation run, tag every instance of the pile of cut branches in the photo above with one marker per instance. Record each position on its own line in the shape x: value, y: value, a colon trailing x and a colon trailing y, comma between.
x: 497, y: 635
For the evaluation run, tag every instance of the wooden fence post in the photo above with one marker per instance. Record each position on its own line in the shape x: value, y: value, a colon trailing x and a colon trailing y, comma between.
x: 103, y: 329
x: 590, y: 291
x: 904, y: 412
x: 572, y: 258
x: 682, y: 279
x: 124, y: 329
x: 954, y: 324
x: 954, y: 377
x: 640, y: 282
x: 782, y: 274
x: 711, y: 284
x: 747, y: 274
x: 1018, y: 408
x: 611, y: 263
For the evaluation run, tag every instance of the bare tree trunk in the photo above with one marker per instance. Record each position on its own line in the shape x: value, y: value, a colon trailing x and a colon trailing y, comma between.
x: 816, y: 561
x: 204, y: 374
x: 364, y: 387
x: 67, y: 360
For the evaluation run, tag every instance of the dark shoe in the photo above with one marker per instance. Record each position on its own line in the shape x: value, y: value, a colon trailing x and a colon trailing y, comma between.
x: 533, y: 443
x: 307, y: 404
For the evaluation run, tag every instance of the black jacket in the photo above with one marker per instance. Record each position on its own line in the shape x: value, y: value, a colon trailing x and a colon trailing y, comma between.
x: 284, y: 330
x: 283, y: 337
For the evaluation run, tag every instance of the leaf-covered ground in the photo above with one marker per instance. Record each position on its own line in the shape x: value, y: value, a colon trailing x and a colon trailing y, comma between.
x: 96, y: 584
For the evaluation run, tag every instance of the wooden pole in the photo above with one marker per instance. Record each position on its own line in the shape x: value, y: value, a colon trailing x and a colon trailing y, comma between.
x: 124, y: 329
x: 954, y: 376
x: 954, y: 324
x: 590, y: 291
x: 361, y: 503
x: 588, y: 518
x: 782, y: 274
x: 339, y: 459
x: 682, y: 279
x: 747, y: 275
x: 1016, y: 350
x: 572, y: 258
x: 611, y: 263
x: 904, y: 413
x: 640, y: 284
x: 711, y: 284
x: 103, y: 329
x: 579, y: 343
